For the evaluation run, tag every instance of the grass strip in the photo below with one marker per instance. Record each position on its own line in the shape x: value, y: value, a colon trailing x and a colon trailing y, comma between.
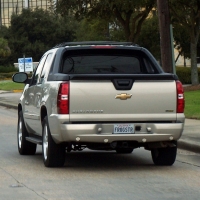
x: 192, y: 104
x: 9, y: 85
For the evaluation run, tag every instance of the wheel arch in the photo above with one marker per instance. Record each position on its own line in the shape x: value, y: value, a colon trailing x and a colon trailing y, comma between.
x: 43, y: 113
x: 19, y: 107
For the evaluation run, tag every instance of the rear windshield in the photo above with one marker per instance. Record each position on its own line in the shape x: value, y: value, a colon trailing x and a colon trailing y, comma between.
x: 106, y: 62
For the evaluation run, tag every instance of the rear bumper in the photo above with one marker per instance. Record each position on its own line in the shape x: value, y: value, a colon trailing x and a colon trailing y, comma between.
x: 62, y: 131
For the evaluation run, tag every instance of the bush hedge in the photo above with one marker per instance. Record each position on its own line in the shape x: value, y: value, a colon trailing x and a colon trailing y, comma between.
x: 7, y: 69
x: 184, y: 74
x: 4, y: 76
x: 6, y: 72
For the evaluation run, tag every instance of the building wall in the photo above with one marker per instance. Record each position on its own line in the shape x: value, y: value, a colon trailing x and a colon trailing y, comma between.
x: 8, y: 7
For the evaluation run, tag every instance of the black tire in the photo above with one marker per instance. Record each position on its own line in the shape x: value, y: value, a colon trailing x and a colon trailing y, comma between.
x: 124, y: 150
x: 164, y: 156
x: 53, y: 154
x: 24, y: 147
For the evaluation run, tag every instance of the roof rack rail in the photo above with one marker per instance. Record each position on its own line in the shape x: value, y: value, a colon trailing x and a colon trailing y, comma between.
x: 94, y: 43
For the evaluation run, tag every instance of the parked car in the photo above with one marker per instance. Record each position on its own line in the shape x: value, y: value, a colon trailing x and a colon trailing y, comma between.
x: 101, y: 96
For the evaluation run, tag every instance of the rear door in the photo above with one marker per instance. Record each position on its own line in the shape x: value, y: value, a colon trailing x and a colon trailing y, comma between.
x: 30, y: 99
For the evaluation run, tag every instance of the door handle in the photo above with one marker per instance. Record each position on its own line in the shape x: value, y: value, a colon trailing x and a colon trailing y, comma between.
x: 123, y: 82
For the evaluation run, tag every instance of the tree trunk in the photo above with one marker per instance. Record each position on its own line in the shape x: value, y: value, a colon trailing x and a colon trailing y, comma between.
x: 194, y: 69
x: 179, y: 53
x: 184, y: 60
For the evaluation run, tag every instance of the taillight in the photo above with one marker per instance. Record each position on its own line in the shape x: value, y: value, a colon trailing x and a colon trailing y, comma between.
x: 63, y: 98
x: 180, y: 97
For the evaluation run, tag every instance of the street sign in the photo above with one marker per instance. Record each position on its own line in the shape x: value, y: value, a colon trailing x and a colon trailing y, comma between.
x: 28, y: 64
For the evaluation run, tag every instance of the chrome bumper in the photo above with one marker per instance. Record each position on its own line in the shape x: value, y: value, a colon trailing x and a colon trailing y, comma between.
x: 62, y: 131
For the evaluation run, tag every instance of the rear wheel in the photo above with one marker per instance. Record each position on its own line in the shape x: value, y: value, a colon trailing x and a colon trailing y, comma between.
x: 53, y: 154
x: 124, y: 150
x: 164, y: 156
x: 24, y: 147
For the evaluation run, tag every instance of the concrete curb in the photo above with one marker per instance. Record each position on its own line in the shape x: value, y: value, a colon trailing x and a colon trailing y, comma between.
x: 188, y: 145
x: 17, y: 91
x: 9, y: 105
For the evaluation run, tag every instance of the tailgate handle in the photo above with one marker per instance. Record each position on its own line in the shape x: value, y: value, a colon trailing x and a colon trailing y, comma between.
x: 123, y: 83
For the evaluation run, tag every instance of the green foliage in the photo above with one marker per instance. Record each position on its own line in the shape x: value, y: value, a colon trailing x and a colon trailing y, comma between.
x: 129, y: 14
x: 8, y: 75
x: 192, y: 101
x: 182, y: 40
x: 4, y: 49
x: 150, y: 36
x: 8, y: 69
x: 187, y: 14
x: 93, y: 29
x: 183, y: 19
x: 35, y: 31
x: 184, y: 74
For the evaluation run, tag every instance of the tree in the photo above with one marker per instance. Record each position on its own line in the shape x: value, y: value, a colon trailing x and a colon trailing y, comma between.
x: 4, y: 48
x: 130, y: 14
x: 150, y: 36
x: 181, y: 41
x: 34, y: 31
x: 187, y: 14
x: 93, y: 29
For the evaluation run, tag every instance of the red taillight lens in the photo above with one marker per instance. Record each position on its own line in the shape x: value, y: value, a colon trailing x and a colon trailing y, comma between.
x: 180, y: 97
x: 63, y: 98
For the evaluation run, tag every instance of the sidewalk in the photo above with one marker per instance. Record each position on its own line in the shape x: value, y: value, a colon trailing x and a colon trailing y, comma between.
x: 190, y: 139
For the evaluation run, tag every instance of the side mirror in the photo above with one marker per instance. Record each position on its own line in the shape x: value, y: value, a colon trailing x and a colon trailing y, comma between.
x: 20, y: 77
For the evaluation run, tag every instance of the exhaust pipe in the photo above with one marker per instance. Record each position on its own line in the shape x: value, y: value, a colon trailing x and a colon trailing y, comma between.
x: 125, y: 145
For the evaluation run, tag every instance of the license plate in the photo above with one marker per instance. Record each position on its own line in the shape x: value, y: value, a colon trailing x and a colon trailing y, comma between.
x: 124, y: 129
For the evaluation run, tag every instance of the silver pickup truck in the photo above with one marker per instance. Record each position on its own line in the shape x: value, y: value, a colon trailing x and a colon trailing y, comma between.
x: 101, y: 96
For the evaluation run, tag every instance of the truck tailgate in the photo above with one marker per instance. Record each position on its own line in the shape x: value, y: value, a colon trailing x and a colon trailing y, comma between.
x: 99, y: 100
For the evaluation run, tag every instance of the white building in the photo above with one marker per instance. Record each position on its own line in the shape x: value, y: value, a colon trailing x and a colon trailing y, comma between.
x: 8, y: 7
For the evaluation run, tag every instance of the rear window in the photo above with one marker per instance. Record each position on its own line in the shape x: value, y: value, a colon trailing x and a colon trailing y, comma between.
x: 105, y: 62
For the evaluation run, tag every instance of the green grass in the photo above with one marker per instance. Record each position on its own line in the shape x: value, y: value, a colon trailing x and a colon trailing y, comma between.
x: 9, y: 85
x: 192, y: 104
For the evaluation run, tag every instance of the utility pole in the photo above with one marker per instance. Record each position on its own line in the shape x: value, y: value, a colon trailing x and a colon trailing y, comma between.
x: 165, y: 40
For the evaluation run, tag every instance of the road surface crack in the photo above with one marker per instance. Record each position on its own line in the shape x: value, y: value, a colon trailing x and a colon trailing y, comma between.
x: 19, y: 184
x: 188, y: 163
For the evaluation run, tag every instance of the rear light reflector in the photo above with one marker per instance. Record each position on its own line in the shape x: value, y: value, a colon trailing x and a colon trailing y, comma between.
x: 63, y: 99
x: 180, y: 97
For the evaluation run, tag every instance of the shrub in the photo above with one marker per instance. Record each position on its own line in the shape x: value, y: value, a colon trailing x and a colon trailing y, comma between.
x: 4, y: 69
x: 4, y: 76
x: 184, y: 74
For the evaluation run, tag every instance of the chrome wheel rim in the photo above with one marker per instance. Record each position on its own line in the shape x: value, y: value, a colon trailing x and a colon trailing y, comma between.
x: 45, y: 142
x: 20, y: 133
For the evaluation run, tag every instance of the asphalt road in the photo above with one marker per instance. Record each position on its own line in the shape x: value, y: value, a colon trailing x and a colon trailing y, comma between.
x: 92, y: 175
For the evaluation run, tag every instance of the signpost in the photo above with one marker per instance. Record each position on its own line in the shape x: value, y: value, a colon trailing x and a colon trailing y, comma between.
x: 25, y: 64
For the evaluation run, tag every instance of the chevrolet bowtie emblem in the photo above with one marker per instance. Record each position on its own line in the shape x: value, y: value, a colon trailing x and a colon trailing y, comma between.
x: 123, y: 96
